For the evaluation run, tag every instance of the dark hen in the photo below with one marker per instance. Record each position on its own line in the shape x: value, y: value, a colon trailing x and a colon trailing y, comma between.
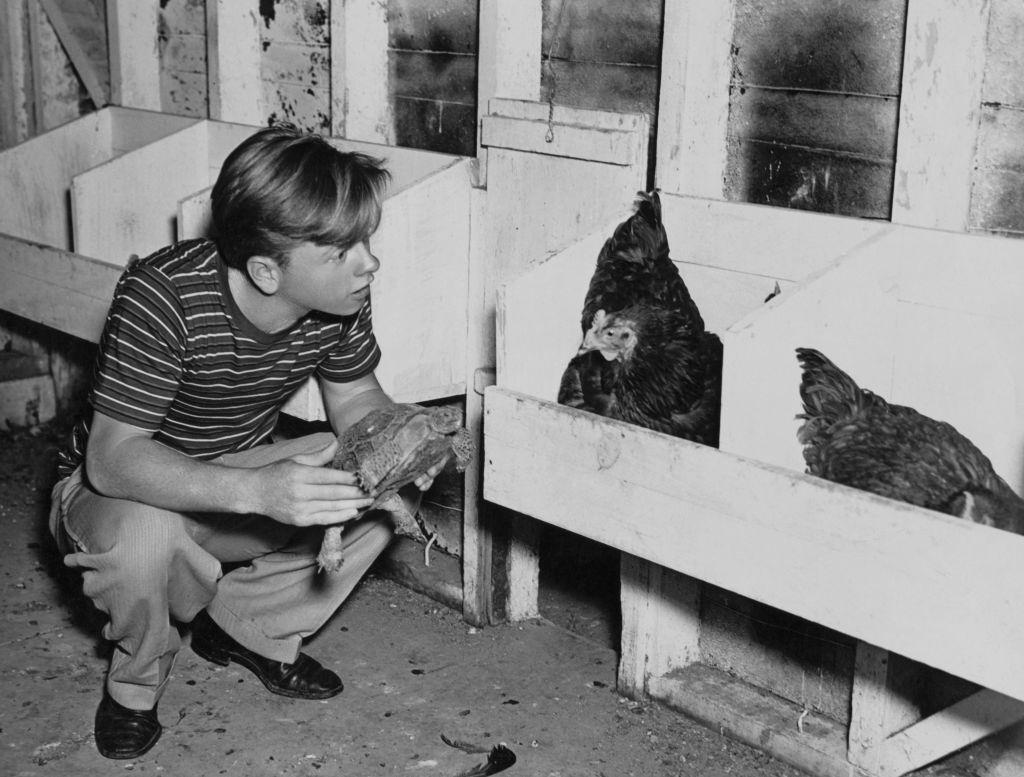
x: 634, y: 268
x: 646, y: 357
x: 854, y: 437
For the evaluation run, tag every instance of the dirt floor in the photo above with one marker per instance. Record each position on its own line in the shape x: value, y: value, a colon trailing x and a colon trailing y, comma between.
x: 415, y: 673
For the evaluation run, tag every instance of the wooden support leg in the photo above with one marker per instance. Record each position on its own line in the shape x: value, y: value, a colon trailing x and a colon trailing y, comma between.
x: 876, y: 711
x: 660, y: 623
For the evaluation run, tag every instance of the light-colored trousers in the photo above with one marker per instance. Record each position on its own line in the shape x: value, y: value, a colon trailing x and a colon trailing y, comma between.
x: 146, y: 568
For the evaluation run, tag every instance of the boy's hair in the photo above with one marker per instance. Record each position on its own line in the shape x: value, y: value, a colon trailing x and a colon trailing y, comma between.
x: 282, y: 187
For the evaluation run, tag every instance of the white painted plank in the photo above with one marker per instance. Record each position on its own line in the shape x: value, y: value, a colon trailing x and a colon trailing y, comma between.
x: 59, y: 289
x: 794, y: 542
x: 35, y: 176
x: 693, y: 105
x: 361, y: 107
x: 134, y: 56
x: 940, y: 106
x: 128, y: 205
x: 235, y: 91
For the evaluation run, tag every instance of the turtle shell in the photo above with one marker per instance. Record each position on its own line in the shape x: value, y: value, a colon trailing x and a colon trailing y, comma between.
x: 393, y: 445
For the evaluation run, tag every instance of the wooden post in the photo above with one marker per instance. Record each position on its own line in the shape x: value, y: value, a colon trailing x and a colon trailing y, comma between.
x: 361, y: 107
x: 15, y: 118
x: 660, y: 623
x: 693, y: 105
x: 134, y: 57
x: 233, y: 62
x: 508, y: 59
x: 876, y: 713
x: 508, y: 65
x: 940, y: 106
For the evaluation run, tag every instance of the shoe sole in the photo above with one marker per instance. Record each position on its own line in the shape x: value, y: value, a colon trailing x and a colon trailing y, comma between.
x: 128, y: 756
x: 225, y: 657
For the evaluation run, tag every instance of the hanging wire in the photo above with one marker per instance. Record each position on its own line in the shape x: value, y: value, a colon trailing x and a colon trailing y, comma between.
x: 556, y: 35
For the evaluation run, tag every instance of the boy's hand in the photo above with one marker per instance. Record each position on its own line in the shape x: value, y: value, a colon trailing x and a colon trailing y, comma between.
x: 304, y: 491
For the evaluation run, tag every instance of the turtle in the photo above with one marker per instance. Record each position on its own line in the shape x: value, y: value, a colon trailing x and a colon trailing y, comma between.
x: 389, y: 448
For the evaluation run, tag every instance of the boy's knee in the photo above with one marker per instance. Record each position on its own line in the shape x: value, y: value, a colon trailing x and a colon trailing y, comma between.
x: 140, y: 544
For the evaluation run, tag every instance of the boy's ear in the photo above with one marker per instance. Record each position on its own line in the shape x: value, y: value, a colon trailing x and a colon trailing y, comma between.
x: 264, y: 272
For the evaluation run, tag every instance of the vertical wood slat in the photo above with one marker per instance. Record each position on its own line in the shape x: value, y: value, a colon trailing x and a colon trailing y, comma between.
x: 134, y: 56
x: 360, y: 72
x: 14, y: 119
x: 940, y: 107
x: 693, y: 105
x: 235, y: 89
x: 36, y: 67
x: 509, y: 57
x: 508, y: 65
x: 660, y: 623
x: 876, y: 712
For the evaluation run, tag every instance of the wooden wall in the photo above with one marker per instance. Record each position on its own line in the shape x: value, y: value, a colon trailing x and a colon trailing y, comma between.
x: 181, y: 36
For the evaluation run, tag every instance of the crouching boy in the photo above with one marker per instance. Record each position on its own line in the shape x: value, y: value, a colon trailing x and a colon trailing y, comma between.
x: 176, y: 473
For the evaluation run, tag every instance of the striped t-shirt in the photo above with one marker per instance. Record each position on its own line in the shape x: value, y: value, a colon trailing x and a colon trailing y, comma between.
x: 179, y: 359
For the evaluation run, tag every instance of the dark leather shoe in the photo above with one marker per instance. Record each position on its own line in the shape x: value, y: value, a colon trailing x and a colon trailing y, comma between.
x: 305, y: 679
x: 125, y: 733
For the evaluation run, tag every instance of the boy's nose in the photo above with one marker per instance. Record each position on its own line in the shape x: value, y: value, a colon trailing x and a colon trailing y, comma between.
x: 370, y: 263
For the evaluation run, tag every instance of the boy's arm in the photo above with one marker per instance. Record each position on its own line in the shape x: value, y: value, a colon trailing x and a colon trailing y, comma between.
x: 123, y: 461
x: 346, y: 403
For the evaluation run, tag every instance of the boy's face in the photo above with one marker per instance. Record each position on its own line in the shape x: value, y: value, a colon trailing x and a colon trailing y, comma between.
x: 325, y: 278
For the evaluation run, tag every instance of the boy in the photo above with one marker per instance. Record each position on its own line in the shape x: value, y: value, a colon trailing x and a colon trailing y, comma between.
x: 205, y: 340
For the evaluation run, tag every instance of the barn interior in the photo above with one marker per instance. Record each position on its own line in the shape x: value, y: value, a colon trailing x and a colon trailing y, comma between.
x: 840, y: 175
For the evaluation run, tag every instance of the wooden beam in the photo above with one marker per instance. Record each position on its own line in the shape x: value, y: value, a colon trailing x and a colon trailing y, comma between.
x: 693, y: 103
x: 234, y: 85
x: 361, y: 107
x: 134, y: 56
x: 940, y: 107
x: 76, y: 53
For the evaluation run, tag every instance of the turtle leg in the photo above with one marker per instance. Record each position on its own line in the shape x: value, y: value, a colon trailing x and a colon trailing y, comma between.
x: 331, y: 556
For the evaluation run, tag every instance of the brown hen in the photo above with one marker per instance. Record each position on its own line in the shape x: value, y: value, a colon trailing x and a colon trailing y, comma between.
x: 854, y: 437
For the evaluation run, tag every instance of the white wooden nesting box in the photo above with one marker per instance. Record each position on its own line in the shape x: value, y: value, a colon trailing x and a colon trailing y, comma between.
x: 46, y: 277
x: 144, y: 200
x: 926, y: 318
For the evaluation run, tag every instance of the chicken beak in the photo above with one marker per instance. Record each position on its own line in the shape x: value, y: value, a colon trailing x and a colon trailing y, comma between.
x: 592, y: 341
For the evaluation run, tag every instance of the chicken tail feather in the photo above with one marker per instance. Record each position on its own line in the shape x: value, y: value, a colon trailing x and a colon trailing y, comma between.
x: 829, y: 395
